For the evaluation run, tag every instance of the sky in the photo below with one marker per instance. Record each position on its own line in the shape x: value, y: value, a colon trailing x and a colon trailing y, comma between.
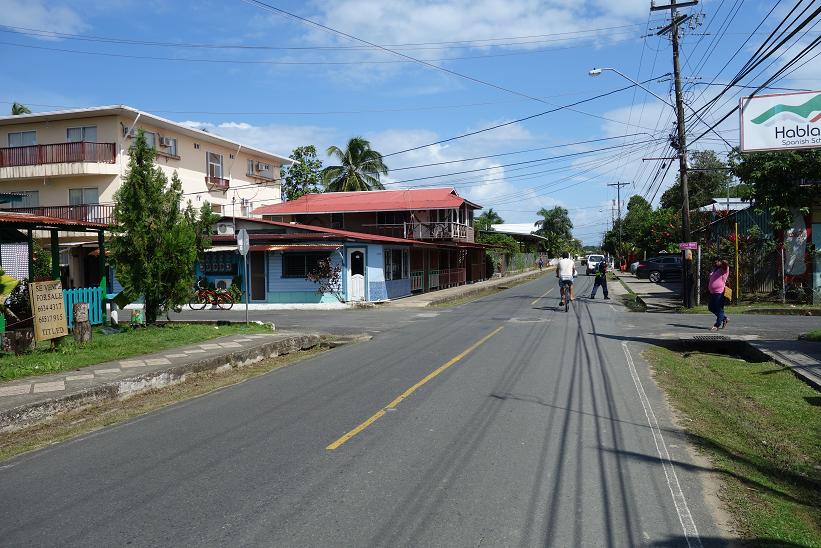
x: 422, y: 71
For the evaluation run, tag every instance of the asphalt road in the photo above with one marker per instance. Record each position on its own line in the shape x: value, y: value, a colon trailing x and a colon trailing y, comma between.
x: 518, y: 425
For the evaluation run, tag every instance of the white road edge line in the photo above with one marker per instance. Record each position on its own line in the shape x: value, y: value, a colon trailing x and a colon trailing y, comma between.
x: 684, y: 515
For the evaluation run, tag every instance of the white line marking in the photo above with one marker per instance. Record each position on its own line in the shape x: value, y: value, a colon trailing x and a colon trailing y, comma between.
x: 613, y: 308
x: 684, y: 516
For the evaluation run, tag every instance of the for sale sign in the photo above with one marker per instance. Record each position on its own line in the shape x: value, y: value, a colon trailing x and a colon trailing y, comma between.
x: 781, y: 122
x: 48, y: 310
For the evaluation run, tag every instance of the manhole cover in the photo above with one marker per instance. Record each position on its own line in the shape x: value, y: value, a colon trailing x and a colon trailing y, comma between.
x: 711, y: 338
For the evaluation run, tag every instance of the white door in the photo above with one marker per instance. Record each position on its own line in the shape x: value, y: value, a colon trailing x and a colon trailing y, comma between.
x: 356, y: 275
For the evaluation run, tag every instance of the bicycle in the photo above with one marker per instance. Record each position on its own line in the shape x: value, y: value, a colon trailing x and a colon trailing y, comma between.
x: 203, y: 296
x: 564, y: 291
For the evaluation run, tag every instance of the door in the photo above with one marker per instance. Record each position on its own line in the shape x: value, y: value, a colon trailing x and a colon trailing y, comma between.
x: 356, y: 275
x: 257, y: 272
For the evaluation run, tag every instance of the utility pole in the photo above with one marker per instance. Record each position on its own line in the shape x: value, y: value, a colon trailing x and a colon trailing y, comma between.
x: 681, y: 145
x: 618, y: 206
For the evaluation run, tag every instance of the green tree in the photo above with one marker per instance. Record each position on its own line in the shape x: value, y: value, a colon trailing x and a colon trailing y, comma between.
x: 360, y: 168
x: 304, y: 176
x: 487, y: 219
x: 154, y: 244
x: 702, y: 186
x: 555, y: 226
x: 40, y: 262
x: 776, y: 181
x: 19, y: 108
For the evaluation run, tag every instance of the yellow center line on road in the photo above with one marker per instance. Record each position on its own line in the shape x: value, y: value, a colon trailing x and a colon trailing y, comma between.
x: 542, y: 295
x: 430, y: 376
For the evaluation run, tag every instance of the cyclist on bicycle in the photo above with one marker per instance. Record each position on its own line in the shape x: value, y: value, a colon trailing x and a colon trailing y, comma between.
x: 566, y: 271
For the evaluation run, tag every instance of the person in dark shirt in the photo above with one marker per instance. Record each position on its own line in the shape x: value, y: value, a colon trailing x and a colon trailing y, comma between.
x: 601, y: 280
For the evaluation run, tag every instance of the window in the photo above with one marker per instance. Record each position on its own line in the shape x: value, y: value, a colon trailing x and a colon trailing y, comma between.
x: 214, y: 164
x: 219, y: 262
x: 22, y: 138
x: 396, y: 264
x: 297, y: 265
x: 150, y: 139
x: 259, y: 169
x: 79, y: 196
x: 391, y: 217
x: 30, y: 198
x: 250, y: 164
x: 84, y: 133
x: 170, y: 145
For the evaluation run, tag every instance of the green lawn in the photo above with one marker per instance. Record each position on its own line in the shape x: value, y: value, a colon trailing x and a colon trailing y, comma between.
x: 746, y: 308
x: 760, y: 427
x: 105, y: 348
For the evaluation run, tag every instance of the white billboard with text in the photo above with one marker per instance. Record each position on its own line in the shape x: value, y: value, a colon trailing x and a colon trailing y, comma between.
x: 781, y: 122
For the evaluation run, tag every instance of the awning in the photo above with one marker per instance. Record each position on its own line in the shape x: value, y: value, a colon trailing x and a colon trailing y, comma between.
x: 294, y: 247
x: 221, y: 248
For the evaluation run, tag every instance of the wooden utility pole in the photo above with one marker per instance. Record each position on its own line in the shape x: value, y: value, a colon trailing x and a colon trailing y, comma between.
x: 618, y: 207
x: 681, y: 145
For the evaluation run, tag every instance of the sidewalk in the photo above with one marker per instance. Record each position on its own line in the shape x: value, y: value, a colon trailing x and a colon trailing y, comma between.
x: 30, y: 399
x: 444, y: 296
x: 660, y: 297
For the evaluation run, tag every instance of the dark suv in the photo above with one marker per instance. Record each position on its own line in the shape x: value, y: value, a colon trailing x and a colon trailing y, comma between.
x: 665, y: 267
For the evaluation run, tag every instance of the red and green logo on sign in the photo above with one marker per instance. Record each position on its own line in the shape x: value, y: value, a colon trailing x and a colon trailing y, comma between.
x: 803, y: 111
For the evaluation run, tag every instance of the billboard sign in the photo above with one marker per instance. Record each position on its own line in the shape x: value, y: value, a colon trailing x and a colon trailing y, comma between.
x: 48, y: 310
x: 786, y: 121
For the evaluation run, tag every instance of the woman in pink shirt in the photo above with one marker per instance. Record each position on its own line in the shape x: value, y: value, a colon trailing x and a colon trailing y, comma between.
x: 716, y: 284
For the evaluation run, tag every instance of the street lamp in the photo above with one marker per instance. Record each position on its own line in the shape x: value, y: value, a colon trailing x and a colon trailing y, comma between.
x: 597, y: 72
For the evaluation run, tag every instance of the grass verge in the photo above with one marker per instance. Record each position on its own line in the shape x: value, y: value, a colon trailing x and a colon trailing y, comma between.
x: 759, y: 426
x: 759, y: 308
x: 489, y: 291
x: 102, y: 348
x: 97, y: 416
x: 814, y: 335
x: 629, y: 300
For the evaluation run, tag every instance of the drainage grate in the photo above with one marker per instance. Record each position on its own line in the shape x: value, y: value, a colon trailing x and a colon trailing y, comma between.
x: 711, y: 338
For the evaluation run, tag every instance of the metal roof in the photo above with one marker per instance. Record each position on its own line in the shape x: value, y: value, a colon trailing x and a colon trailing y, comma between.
x: 40, y: 222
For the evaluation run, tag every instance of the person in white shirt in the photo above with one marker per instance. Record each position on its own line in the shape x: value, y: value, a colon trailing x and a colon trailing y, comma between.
x: 566, y: 271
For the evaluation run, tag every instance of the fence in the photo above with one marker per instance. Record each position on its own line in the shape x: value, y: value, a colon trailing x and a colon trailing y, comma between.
x: 94, y: 296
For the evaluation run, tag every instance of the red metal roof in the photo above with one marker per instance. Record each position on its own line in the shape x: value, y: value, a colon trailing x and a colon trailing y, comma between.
x: 378, y: 200
x: 26, y: 220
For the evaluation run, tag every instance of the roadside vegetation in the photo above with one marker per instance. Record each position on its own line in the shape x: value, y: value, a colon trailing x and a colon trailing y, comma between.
x: 760, y: 308
x: 103, y: 348
x: 629, y: 300
x: 759, y: 426
x: 814, y: 335
x: 110, y: 412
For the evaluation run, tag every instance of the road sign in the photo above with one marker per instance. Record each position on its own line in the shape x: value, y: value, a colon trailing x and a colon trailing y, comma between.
x: 688, y: 245
x: 243, y: 243
x: 784, y: 121
x: 48, y: 310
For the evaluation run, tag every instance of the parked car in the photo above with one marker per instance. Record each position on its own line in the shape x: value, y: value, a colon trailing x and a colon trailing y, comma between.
x: 593, y: 263
x: 655, y: 269
x: 634, y: 266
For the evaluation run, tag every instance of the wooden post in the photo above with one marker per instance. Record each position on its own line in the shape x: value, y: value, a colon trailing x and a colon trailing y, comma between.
x: 55, y: 255
x: 82, y: 326
x: 101, y: 260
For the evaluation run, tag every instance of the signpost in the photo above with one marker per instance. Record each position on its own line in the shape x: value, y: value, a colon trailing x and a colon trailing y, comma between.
x: 785, y: 121
x: 48, y: 310
x: 688, y: 245
x: 243, y: 244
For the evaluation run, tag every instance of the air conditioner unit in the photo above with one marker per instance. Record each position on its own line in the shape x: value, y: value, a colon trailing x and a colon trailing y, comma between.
x: 166, y: 141
x: 263, y: 167
x: 222, y: 283
x: 225, y: 229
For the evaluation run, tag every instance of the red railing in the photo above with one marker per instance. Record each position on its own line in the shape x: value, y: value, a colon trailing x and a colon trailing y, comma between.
x: 60, y: 153
x: 216, y: 183
x: 96, y: 213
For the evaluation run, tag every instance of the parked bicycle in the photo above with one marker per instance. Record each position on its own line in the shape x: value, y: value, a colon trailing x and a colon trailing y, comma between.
x: 204, y: 296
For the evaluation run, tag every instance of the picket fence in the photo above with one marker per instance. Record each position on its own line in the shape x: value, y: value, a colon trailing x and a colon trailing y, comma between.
x: 94, y: 296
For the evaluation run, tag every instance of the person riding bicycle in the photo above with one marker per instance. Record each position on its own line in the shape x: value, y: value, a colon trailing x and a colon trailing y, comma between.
x: 566, y: 271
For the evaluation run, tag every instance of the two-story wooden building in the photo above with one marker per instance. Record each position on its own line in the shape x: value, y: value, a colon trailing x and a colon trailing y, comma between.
x: 69, y: 164
x: 422, y: 239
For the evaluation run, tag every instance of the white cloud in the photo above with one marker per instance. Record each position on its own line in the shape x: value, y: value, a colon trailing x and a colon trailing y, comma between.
x: 277, y: 138
x: 38, y: 14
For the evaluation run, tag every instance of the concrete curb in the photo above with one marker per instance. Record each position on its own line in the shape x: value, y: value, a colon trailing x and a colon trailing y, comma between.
x: 27, y: 414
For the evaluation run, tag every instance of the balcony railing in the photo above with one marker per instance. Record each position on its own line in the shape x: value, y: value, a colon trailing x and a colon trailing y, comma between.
x: 95, y: 213
x: 425, y: 231
x: 60, y: 153
x: 216, y: 183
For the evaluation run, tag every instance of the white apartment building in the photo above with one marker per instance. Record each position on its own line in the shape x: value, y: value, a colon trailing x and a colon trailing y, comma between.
x: 63, y: 162
x: 69, y: 164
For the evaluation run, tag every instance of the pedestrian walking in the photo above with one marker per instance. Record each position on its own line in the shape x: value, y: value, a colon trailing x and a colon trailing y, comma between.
x: 717, y: 286
x: 541, y: 263
x: 601, y: 280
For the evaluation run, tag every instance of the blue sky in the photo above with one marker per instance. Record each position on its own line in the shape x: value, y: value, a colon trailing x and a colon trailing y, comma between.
x: 291, y: 84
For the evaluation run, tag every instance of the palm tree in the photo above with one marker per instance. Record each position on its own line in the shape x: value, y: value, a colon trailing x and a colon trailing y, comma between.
x: 360, y: 168
x: 19, y: 108
x: 556, y: 226
x: 486, y: 220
